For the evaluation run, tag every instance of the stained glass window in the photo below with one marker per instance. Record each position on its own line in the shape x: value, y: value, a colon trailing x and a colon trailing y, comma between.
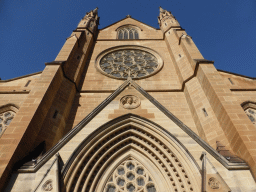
x: 251, y: 113
x: 121, y: 35
x: 129, y: 63
x: 5, y: 120
x: 125, y: 34
x: 129, y: 33
x: 136, y: 35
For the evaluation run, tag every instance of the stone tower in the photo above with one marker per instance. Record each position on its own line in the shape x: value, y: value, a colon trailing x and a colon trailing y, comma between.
x: 128, y: 108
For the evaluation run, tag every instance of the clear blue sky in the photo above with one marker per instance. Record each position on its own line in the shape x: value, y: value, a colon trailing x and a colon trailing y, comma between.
x: 32, y: 32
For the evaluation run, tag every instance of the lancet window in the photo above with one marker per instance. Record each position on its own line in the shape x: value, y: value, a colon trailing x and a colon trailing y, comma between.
x: 128, y: 33
x: 5, y: 120
x: 130, y: 176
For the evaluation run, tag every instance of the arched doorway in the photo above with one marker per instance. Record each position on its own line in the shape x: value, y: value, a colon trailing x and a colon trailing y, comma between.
x: 94, y: 165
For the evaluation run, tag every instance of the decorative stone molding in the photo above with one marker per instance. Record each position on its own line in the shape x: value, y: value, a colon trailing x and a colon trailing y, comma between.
x: 214, y: 183
x: 129, y: 25
x: 130, y: 102
x: 248, y: 104
x: 129, y: 61
x: 9, y: 107
x: 47, y: 186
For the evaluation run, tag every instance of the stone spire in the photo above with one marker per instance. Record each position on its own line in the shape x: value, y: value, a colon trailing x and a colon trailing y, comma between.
x: 90, y: 20
x: 164, y: 14
x: 166, y: 19
x: 92, y: 13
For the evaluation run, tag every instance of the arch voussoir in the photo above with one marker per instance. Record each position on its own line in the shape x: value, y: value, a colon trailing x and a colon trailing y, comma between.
x: 96, y: 156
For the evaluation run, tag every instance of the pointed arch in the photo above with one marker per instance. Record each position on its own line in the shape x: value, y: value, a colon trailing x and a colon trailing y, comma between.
x: 125, y: 34
x: 120, y: 34
x: 131, y: 34
x: 249, y: 108
x: 136, y: 35
x: 131, y: 134
x: 9, y: 107
x: 129, y: 31
x: 132, y: 155
x: 7, y: 113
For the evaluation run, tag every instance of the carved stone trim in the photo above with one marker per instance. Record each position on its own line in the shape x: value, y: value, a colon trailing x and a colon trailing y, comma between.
x: 214, y: 183
x: 47, y: 186
x: 248, y: 104
x: 9, y: 107
x: 128, y: 25
x: 130, y: 102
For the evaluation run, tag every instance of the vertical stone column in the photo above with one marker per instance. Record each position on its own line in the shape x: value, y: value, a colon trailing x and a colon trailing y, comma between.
x: 184, y: 52
x: 207, y: 123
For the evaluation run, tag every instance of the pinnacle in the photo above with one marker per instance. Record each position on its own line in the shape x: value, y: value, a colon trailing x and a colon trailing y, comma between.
x: 161, y: 9
x: 95, y: 10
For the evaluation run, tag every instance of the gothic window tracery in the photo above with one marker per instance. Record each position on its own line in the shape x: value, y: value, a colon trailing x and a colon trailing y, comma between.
x: 128, y: 33
x: 5, y: 119
x: 251, y: 113
x: 250, y: 110
x: 130, y: 176
x: 124, y: 63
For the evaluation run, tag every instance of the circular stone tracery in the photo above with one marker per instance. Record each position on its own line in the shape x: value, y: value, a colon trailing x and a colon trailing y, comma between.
x: 124, y: 63
x: 133, y: 177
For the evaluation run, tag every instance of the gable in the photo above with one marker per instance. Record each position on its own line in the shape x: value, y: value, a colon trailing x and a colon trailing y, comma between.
x: 145, y: 31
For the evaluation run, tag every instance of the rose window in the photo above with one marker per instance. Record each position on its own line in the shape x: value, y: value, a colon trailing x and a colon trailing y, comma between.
x: 132, y: 63
x: 130, y: 176
x: 5, y: 120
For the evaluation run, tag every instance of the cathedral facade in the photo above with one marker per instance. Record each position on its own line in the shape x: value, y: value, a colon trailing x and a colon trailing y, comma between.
x: 128, y: 108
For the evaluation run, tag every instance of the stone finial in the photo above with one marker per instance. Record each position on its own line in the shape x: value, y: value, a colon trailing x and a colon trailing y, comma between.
x: 161, y: 9
x: 128, y: 16
x: 95, y: 11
